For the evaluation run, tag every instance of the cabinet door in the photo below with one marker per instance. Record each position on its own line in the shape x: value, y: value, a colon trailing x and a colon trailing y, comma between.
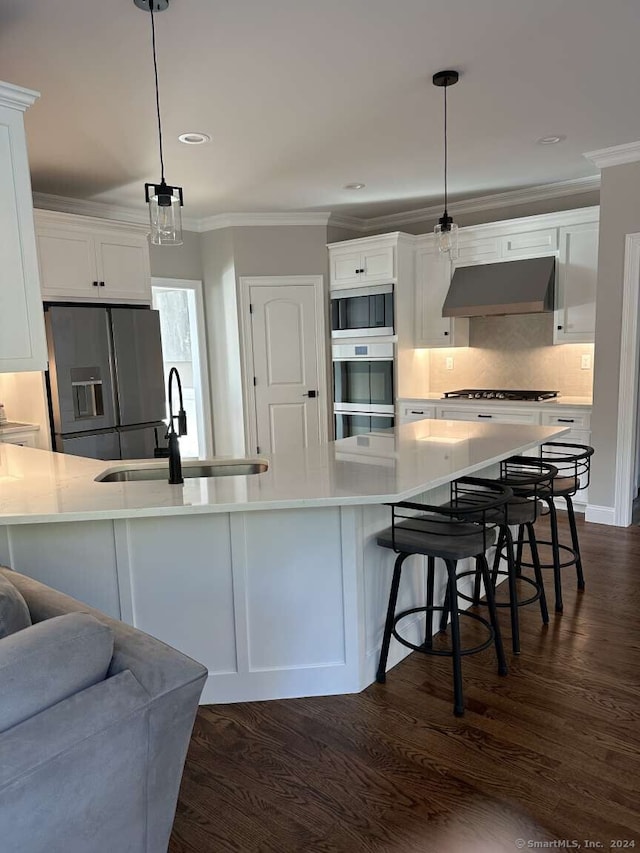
x: 433, y: 277
x: 378, y: 265
x: 22, y: 337
x: 123, y: 268
x: 575, y: 314
x: 67, y: 264
x: 345, y: 268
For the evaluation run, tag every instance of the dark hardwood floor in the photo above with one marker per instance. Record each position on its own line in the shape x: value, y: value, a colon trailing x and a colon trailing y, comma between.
x: 549, y: 753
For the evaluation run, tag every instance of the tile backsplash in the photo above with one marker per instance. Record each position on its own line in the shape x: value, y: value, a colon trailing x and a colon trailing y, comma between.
x: 513, y: 352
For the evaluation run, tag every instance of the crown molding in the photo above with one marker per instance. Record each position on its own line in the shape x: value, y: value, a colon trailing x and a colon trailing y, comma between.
x: 232, y: 220
x: 101, y: 210
x: 394, y: 221
x: 352, y: 223
x: 615, y: 156
x: 495, y: 201
x: 17, y: 97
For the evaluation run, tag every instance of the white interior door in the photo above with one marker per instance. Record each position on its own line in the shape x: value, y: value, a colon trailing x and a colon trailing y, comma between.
x: 287, y: 365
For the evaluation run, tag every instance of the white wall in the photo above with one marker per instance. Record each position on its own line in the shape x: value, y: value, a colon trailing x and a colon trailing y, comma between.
x: 24, y: 397
x: 619, y: 216
x: 177, y: 261
x: 223, y: 341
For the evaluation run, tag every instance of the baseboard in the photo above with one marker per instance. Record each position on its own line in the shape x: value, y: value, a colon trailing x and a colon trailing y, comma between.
x: 600, y: 514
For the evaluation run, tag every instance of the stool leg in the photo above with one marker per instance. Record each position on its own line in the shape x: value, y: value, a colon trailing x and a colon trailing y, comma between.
x: 513, y: 592
x: 519, y: 552
x: 476, y: 588
x: 445, y: 610
x: 381, y: 675
x: 553, y: 522
x: 428, y: 631
x: 496, y: 559
x: 458, y: 707
x: 491, y: 602
x: 535, y: 559
x: 574, y: 541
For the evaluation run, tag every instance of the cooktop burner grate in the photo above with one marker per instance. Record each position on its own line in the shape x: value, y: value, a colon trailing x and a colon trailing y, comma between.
x: 499, y: 394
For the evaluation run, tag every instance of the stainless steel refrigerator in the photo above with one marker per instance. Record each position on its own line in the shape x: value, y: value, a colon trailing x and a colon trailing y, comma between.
x: 106, y: 381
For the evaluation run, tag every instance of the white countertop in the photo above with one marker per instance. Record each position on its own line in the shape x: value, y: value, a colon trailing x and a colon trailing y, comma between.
x: 40, y: 486
x: 573, y: 402
x: 15, y: 426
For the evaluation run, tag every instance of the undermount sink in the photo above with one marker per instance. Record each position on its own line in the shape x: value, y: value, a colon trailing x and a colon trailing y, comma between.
x: 199, y: 469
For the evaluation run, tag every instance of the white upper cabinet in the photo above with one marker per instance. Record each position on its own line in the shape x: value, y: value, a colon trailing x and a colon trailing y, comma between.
x: 364, y: 262
x: 529, y: 244
x: 433, y: 277
x: 84, y: 259
x: 22, y: 335
x: 476, y: 249
x: 575, y: 315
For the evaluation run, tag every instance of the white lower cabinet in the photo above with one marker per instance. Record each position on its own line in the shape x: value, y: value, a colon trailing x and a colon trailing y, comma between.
x: 25, y: 438
x: 504, y: 416
x: 410, y: 412
x: 577, y: 420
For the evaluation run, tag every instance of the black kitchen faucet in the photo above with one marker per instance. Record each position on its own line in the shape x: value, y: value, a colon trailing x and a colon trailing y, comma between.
x: 175, y: 464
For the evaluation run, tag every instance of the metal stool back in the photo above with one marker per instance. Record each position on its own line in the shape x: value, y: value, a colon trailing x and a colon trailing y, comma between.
x: 573, y: 462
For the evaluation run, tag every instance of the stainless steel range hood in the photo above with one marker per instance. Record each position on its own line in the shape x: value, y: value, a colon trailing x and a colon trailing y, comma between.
x: 512, y: 287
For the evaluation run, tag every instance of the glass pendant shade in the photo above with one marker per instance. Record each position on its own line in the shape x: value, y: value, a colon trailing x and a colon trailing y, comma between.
x: 446, y: 232
x: 165, y: 214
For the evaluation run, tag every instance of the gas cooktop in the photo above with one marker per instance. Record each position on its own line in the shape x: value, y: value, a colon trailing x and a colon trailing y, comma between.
x: 497, y: 394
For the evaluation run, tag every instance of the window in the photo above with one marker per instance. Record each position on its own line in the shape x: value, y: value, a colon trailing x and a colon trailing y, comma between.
x: 183, y: 346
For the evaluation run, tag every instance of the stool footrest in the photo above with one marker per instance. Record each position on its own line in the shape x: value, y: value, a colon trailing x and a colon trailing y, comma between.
x: 442, y: 652
x: 570, y: 562
x: 521, y: 601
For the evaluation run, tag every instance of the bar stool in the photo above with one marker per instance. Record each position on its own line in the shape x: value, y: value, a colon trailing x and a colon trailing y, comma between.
x: 573, y: 462
x: 441, y: 531
x: 530, y: 479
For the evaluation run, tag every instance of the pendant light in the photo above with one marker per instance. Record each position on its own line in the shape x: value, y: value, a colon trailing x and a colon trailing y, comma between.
x: 446, y: 230
x: 165, y: 202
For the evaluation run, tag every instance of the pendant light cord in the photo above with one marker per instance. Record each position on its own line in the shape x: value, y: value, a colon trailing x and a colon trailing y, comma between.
x: 445, y: 149
x: 155, y: 71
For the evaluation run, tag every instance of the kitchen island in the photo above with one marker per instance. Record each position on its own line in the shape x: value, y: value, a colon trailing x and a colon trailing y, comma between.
x: 274, y: 580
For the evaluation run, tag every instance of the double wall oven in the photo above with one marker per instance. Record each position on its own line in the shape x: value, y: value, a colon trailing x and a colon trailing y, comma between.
x: 363, y: 387
x: 362, y: 330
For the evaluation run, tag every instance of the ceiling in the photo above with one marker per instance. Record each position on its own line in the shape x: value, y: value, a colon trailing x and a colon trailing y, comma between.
x: 304, y: 96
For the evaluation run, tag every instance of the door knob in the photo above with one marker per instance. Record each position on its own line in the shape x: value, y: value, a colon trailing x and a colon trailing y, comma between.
x: 310, y: 394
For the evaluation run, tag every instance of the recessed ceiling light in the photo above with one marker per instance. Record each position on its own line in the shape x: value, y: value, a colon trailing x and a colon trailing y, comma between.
x: 194, y: 138
x: 550, y: 140
x: 354, y: 186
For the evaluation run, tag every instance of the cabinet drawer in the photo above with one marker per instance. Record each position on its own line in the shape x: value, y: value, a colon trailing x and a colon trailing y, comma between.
x: 489, y: 416
x: 417, y: 412
x: 531, y: 243
x: 573, y: 420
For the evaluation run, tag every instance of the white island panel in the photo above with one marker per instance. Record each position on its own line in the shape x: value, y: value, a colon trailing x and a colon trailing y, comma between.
x: 294, y: 589
x: 176, y: 583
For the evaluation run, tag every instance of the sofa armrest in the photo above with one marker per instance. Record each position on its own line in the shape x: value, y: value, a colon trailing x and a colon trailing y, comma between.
x: 74, y: 777
x: 157, y: 666
x: 173, y: 682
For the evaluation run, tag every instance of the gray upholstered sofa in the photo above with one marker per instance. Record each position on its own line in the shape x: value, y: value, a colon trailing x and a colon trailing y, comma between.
x: 95, y: 720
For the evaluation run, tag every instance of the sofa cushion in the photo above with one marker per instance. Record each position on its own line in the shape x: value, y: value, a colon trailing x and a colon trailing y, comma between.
x: 49, y: 662
x: 14, y: 613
